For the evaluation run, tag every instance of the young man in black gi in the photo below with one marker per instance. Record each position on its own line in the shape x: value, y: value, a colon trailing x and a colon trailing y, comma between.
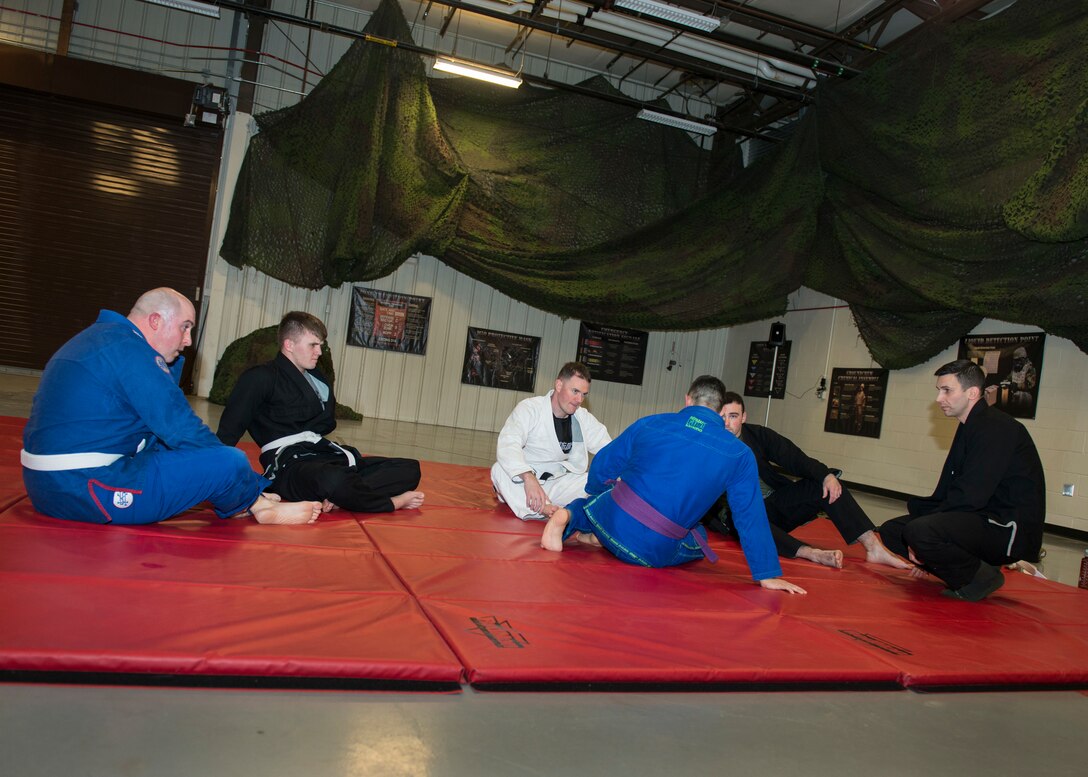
x: 990, y: 502
x: 288, y: 406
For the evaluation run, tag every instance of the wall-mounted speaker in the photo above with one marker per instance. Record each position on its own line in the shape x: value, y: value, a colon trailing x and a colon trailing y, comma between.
x: 778, y: 334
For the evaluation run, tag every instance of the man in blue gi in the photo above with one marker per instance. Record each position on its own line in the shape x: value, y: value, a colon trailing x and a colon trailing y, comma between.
x: 650, y: 487
x: 112, y: 439
x: 990, y: 502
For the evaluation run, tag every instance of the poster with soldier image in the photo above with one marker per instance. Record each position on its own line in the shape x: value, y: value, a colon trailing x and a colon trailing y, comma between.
x: 855, y: 401
x: 1013, y: 364
x: 500, y: 360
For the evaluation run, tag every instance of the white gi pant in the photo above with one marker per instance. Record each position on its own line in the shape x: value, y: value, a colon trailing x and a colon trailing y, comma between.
x: 561, y: 490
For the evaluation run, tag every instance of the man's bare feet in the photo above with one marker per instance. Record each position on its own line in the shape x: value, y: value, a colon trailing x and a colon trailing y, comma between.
x: 827, y: 558
x: 586, y: 538
x: 272, y: 511
x: 409, y: 500
x: 876, y: 552
x: 552, y: 538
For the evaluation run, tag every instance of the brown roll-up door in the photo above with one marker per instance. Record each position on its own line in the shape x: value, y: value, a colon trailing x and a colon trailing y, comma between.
x: 98, y: 203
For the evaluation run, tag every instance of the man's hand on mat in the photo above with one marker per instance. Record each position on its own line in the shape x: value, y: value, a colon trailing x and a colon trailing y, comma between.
x: 915, y: 571
x: 327, y: 506
x: 778, y: 584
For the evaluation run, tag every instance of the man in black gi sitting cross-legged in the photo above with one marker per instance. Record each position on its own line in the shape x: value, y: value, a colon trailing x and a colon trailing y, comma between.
x: 288, y: 406
x: 990, y: 502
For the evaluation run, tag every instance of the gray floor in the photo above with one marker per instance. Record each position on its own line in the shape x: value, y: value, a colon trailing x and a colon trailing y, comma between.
x: 94, y: 730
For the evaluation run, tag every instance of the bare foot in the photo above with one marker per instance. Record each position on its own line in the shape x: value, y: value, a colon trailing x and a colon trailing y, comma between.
x: 552, y: 538
x: 409, y: 500
x: 877, y: 553
x: 827, y: 558
x: 586, y: 538
x: 270, y: 511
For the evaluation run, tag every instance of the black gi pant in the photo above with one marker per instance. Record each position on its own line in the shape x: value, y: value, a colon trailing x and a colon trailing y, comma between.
x: 798, y: 503
x: 368, y: 487
x: 950, y: 545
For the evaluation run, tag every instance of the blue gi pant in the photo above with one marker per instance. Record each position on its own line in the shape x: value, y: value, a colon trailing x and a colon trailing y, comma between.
x: 626, y: 538
x: 153, y: 485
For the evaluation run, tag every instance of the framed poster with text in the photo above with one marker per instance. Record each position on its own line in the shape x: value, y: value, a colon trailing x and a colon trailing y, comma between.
x: 500, y: 359
x: 1013, y: 364
x: 612, y: 353
x: 855, y: 401
x: 389, y: 321
x: 768, y: 365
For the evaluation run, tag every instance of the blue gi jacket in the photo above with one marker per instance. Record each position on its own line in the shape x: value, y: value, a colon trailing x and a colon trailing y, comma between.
x: 680, y: 463
x: 106, y: 390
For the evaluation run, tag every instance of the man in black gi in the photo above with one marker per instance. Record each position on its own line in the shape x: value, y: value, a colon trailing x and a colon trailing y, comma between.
x: 288, y: 406
x: 990, y: 502
x: 793, y: 503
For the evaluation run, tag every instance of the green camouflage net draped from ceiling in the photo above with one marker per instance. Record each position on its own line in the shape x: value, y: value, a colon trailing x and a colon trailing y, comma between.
x: 947, y: 184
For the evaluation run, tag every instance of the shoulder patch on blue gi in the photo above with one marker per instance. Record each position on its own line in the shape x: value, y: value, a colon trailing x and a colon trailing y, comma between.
x: 123, y: 499
x: 162, y: 364
x: 696, y: 424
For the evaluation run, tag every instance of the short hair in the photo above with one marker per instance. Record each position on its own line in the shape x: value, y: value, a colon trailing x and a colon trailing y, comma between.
x: 966, y: 371
x: 708, y: 391
x: 297, y: 323
x: 574, y: 370
x: 733, y: 398
x: 164, y: 301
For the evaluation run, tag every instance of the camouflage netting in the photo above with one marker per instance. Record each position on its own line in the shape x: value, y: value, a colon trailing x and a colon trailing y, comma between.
x: 947, y: 184
x: 258, y: 347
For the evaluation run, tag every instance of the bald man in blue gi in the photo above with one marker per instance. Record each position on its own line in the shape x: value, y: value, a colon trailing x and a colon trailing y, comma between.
x: 111, y: 437
x: 649, y: 488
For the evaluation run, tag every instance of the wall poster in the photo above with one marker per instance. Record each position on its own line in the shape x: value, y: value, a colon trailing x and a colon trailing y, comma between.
x: 855, y: 401
x: 612, y: 353
x: 1013, y: 364
x: 766, y: 363
x: 389, y: 321
x: 500, y: 359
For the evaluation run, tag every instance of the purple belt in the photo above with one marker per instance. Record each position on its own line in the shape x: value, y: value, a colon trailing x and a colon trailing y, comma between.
x: 645, y: 513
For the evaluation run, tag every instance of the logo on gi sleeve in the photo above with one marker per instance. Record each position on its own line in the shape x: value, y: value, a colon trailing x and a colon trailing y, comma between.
x: 696, y: 424
x: 122, y: 499
x: 162, y: 364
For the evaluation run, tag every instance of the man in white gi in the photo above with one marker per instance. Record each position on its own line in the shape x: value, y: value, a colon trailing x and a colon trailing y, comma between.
x: 544, y: 448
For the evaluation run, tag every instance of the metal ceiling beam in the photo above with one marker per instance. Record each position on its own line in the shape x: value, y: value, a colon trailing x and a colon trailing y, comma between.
x: 611, y: 42
x: 347, y: 32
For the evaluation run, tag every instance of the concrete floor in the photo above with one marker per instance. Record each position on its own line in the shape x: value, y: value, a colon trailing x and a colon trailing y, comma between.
x: 86, y: 731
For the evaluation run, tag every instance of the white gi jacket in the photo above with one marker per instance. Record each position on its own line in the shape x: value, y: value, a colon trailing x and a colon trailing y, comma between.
x: 528, y: 442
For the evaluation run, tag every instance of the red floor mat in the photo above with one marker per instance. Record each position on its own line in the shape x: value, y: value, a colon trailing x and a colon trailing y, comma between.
x: 461, y: 590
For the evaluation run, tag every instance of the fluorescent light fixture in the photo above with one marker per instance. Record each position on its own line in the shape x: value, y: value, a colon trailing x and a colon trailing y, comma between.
x: 676, y: 121
x: 191, y: 6
x: 671, y: 13
x: 492, y: 75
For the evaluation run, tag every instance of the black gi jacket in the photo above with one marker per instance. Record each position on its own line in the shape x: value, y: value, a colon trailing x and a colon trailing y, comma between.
x: 274, y: 400
x: 993, y: 469
x: 769, y: 446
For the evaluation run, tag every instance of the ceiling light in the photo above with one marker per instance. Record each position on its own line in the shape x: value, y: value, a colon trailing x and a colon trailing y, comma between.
x: 492, y: 75
x: 675, y: 121
x: 192, y: 6
x: 671, y: 13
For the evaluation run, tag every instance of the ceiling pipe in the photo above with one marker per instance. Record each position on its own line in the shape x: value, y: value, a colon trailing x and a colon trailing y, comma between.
x: 662, y: 35
x: 347, y: 32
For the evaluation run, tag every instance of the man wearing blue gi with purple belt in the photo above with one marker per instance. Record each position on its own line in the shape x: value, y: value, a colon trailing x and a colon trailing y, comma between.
x: 650, y: 487
x: 112, y: 439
